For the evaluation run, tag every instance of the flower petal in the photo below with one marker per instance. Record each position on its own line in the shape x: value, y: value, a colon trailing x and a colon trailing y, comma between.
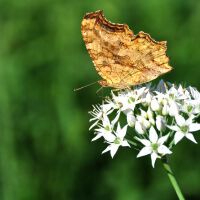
x: 190, y: 137
x: 107, y: 107
x: 107, y: 149
x: 145, y: 142
x: 153, y: 135
x: 104, y: 130
x: 109, y: 137
x: 118, y: 129
x: 180, y: 120
x: 116, y: 118
x: 174, y: 128
x: 93, y: 125
x: 163, y: 150
x: 144, y: 151
x: 194, y: 127
x: 113, y: 149
x: 189, y: 120
x: 178, y: 136
x: 99, y: 135
x: 121, y: 132
x: 125, y: 144
x: 106, y: 121
x: 154, y: 156
x: 162, y: 139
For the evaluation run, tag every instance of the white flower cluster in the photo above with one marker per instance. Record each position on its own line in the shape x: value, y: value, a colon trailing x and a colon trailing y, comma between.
x: 151, y: 119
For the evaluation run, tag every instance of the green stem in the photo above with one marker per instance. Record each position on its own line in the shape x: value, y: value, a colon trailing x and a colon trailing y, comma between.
x: 172, y: 179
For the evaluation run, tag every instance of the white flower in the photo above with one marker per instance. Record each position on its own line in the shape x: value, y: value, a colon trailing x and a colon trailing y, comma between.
x: 120, y: 101
x: 108, y: 106
x: 116, y: 140
x: 154, y: 146
x: 183, y: 93
x: 123, y: 102
x: 177, y: 94
x: 105, y: 130
x: 127, y: 100
x: 99, y: 111
x: 140, y: 92
x: 143, y: 121
x: 194, y: 101
x: 190, y: 107
x: 196, y: 106
x: 195, y: 94
x: 162, y: 101
x: 146, y: 118
x: 167, y: 103
x: 184, y: 129
x: 97, y: 114
x: 143, y: 111
x: 172, y: 93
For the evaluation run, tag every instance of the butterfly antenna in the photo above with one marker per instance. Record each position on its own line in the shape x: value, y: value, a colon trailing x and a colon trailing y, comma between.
x: 99, y: 89
x: 85, y: 86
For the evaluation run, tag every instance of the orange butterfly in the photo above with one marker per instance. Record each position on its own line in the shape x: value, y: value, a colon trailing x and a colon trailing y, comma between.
x: 121, y: 58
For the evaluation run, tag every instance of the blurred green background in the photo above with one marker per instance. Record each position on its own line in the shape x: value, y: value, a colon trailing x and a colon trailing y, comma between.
x: 45, y: 146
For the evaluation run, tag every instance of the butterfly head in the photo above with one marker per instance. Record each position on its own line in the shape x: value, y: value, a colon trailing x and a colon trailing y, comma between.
x: 103, y: 83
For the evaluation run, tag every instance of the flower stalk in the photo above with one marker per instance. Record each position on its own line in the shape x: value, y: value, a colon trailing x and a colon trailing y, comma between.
x: 172, y: 178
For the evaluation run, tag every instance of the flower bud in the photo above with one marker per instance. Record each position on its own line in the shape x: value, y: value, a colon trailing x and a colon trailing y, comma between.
x: 149, y: 113
x: 143, y: 114
x: 148, y: 98
x: 131, y: 119
x: 173, y: 109
x: 165, y: 109
x: 146, y: 123
x: 155, y: 105
x: 139, y: 128
x: 160, y: 123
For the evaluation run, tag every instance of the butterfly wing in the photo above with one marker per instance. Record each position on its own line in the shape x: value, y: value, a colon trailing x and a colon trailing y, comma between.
x: 121, y: 58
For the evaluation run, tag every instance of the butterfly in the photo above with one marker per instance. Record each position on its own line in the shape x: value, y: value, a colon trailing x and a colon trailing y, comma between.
x: 121, y: 58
